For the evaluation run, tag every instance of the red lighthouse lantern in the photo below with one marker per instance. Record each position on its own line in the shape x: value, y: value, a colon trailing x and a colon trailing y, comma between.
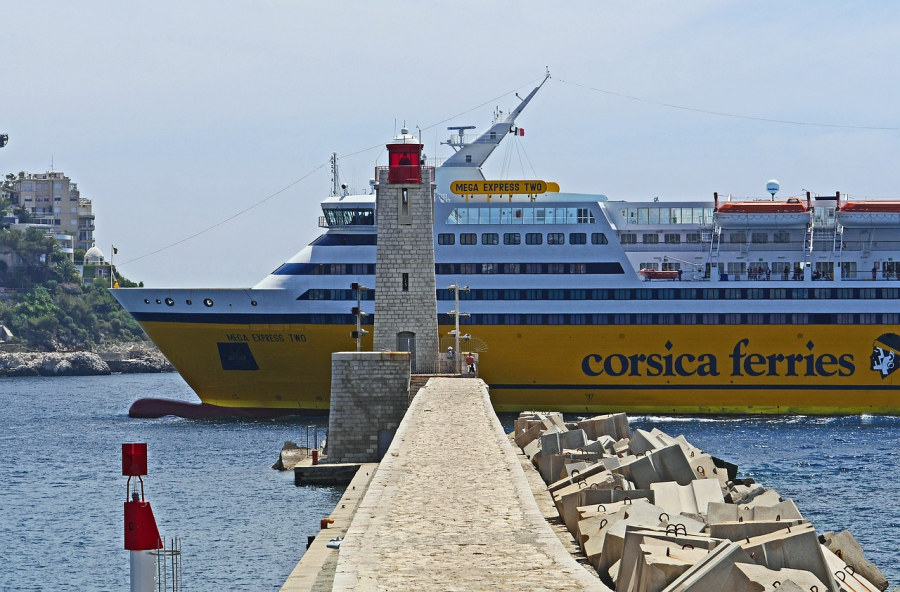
x: 405, y: 159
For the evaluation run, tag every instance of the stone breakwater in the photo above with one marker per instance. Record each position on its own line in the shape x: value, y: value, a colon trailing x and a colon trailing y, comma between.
x: 78, y: 364
x: 653, y: 512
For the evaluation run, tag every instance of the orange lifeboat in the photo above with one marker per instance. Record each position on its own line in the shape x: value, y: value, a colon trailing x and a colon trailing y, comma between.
x: 791, y: 206
x: 654, y: 274
x: 870, y: 206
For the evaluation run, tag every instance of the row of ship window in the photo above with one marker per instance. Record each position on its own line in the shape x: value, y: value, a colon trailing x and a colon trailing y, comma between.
x: 358, y: 269
x: 627, y: 319
x: 636, y: 294
x: 515, y: 238
x: 674, y: 238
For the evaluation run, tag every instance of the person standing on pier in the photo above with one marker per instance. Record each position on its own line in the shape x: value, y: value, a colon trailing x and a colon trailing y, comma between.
x: 470, y: 363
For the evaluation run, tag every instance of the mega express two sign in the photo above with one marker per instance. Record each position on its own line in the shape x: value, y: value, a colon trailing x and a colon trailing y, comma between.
x: 501, y: 187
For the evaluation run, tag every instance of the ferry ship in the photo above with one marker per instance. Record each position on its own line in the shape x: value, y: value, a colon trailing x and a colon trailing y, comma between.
x: 577, y: 302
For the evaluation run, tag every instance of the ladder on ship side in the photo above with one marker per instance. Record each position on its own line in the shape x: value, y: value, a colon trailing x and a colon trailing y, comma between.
x: 711, y: 239
x: 808, y: 245
x: 837, y: 246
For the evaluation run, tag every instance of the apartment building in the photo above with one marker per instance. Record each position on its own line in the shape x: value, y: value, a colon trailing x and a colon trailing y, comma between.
x: 53, y: 200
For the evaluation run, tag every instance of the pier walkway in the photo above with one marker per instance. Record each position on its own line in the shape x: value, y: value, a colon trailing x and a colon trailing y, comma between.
x: 449, y: 508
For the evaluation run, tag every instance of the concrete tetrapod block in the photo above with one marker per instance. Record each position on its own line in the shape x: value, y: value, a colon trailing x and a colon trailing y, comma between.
x: 722, y: 512
x: 583, y: 475
x: 598, y: 481
x: 794, y: 548
x: 592, y: 535
x: 693, y: 498
x: 591, y: 522
x: 639, y: 470
x: 533, y: 433
x: 713, y: 572
x: 642, y: 514
x: 845, y: 546
x: 738, y: 531
x: 636, y: 537
x: 549, y: 466
x: 659, y: 565
x: 757, y: 578
x: 596, y: 501
x: 848, y: 578
x: 705, y: 468
x: 671, y: 464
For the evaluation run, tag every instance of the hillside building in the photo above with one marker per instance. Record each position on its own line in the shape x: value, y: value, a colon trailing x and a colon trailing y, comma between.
x: 54, y: 202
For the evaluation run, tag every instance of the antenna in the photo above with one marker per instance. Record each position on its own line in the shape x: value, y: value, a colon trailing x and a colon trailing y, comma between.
x: 772, y: 187
x: 51, y: 164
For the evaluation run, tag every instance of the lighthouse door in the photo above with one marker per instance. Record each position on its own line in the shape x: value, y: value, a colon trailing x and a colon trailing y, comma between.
x: 406, y: 341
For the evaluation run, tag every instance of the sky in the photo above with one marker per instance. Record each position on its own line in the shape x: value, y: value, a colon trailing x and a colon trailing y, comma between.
x: 176, y: 117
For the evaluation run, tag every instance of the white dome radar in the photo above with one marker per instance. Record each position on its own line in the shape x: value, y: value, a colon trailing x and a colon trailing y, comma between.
x: 773, y: 187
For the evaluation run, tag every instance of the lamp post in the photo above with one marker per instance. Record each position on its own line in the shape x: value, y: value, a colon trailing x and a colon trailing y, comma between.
x: 455, y: 312
x: 358, y: 312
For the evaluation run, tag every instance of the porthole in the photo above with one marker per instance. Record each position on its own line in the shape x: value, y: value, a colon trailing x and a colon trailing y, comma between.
x: 158, y: 301
x: 253, y: 302
x: 188, y: 302
x: 146, y: 301
x: 207, y: 302
x: 170, y: 302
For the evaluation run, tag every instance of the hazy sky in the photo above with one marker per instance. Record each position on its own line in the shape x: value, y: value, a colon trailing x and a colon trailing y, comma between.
x: 173, y: 116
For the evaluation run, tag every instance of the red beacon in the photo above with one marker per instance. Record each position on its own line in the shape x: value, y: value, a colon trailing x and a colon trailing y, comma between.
x: 405, y: 159
x: 141, y: 534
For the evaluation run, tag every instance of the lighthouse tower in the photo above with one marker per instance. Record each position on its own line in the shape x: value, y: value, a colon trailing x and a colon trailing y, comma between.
x: 405, y: 301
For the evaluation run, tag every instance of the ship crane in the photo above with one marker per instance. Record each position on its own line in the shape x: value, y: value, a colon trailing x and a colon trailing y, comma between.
x: 698, y: 266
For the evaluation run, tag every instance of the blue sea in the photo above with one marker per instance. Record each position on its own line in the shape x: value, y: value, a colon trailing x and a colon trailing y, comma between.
x: 243, y: 525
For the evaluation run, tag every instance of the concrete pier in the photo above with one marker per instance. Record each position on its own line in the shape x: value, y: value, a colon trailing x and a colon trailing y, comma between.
x: 449, y: 508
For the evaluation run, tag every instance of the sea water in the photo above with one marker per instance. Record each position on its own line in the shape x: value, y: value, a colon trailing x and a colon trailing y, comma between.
x: 244, y: 526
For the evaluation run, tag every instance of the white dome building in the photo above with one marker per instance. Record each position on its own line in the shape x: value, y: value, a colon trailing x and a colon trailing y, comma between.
x: 94, y: 256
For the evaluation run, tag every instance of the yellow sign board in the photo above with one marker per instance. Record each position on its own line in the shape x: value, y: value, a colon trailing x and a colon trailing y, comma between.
x: 499, y: 187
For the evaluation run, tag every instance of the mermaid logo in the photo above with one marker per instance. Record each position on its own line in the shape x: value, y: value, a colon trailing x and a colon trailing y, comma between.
x: 886, y: 354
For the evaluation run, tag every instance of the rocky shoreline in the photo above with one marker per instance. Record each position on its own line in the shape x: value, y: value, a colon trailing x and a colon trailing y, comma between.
x: 81, y: 364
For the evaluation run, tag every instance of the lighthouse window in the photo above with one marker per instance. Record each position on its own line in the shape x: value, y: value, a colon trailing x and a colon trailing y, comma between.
x: 406, y: 282
x: 446, y: 239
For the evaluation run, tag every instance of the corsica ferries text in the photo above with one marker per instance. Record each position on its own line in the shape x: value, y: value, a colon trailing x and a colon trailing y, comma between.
x: 741, y: 363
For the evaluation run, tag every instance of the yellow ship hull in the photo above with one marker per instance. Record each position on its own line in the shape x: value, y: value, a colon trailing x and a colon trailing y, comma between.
x: 680, y: 369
